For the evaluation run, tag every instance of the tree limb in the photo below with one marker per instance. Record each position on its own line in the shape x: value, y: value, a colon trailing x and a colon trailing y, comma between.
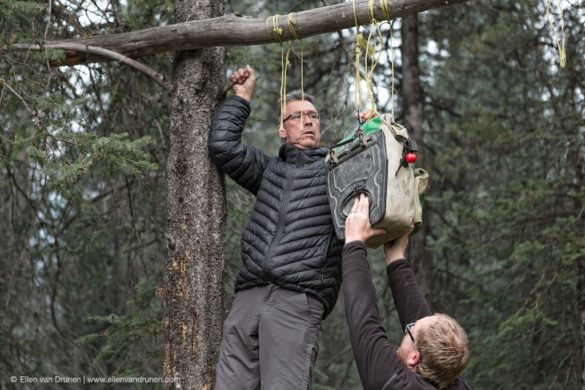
x: 103, y: 53
x: 233, y: 30
x: 3, y: 83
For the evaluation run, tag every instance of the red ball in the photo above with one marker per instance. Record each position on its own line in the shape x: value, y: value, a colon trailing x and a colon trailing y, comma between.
x: 410, y: 157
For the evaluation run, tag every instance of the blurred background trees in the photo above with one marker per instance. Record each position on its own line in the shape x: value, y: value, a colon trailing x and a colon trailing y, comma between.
x: 83, y: 183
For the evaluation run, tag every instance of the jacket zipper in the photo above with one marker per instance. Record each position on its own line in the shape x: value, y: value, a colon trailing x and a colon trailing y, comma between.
x: 281, y: 223
x: 331, y: 233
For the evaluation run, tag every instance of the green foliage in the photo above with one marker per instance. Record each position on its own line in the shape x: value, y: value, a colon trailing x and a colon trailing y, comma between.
x: 506, y: 215
x: 10, y: 9
x: 82, y: 164
x: 134, y: 340
x: 82, y: 181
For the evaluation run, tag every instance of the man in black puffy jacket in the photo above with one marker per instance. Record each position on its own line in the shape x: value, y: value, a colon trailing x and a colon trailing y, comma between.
x: 291, y: 271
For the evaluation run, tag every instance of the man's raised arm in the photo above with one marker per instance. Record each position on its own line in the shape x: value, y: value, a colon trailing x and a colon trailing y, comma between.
x: 243, y: 163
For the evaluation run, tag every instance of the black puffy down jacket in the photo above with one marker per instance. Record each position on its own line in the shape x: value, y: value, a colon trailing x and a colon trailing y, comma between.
x: 290, y: 240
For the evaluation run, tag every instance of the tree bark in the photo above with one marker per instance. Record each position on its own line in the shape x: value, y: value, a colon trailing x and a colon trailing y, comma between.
x: 236, y: 30
x: 579, y: 164
x: 412, y: 94
x: 193, y: 293
x: 581, y: 302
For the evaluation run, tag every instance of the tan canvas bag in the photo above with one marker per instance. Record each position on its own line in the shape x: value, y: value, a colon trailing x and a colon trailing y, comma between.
x: 374, y: 163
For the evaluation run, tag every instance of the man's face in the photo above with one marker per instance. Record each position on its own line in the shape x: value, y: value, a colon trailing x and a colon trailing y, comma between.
x: 407, y: 350
x: 301, y: 131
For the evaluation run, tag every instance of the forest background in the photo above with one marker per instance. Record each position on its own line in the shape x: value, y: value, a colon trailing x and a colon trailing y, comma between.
x: 83, y: 151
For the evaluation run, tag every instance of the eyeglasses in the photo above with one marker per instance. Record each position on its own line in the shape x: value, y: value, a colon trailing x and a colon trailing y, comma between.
x: 300, y: 115
x: 407, y: 329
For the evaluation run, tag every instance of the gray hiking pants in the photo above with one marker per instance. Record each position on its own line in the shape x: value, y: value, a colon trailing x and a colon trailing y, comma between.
x: 269, y: 340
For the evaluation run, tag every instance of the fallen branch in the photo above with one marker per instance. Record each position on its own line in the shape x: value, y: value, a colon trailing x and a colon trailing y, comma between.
x: 236, y: 30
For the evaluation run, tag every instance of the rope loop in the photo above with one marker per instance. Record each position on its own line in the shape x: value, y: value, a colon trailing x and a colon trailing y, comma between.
x: 560, y: 43
x: 275, y: 29
x: 385, y: 9
x: 291, y: 21
x: 371, y: 55
x: 371, y: 10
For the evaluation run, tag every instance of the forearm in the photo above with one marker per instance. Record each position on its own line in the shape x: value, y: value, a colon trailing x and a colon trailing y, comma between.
x: 408, y: 298
x: 374, y: 355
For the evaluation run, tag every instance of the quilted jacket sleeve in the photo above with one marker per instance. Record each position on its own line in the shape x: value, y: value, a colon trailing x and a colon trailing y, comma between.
x: 243, y: 163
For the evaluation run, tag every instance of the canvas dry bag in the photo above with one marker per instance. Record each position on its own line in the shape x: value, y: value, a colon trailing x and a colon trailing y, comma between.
x: 376, y: 161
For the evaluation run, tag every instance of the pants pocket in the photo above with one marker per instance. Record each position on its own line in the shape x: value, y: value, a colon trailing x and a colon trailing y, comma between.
x: 314, y: 308
x: 310, y: 360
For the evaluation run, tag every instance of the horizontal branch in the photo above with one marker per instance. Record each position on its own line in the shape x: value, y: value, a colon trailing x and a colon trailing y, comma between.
x: 108, y: 54
x: 235, y: 30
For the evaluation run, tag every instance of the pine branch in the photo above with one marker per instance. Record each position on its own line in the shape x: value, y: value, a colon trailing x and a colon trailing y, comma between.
x: 99, y: 51
x: 5, y: 84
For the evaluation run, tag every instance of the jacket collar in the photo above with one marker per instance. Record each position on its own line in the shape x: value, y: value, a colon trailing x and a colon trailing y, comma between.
x: 292, y: 154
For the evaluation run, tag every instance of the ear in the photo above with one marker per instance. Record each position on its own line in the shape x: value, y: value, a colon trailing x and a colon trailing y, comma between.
x: 412, y: 359
x: 282, y: 133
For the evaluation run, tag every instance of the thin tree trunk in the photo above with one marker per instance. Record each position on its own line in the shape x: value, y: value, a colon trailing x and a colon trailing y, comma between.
x: 581, y: 296
x: 412, y: 94
x: 579, y: 164
x: 193, y: 292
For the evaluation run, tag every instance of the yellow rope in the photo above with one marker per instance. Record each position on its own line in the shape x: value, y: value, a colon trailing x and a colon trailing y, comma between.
x: 391, y: 72
x: 355, y: 15
x: 282, y: 86
x: 369, y: 75
x: 302, y: 72
x: 284, y: 66
x: 559, y: 43
x: 275, y: 29
x: 268, y: 27
x: 283, y: 61
x: 371, y: 52
x: 385, y: 9
x: 291, y: 20
x: 358, y: 36
x: 375, y: 62
x: 371, y: 9
x: 291, y: 25
x: 358, y: 81
x: 372, y: 55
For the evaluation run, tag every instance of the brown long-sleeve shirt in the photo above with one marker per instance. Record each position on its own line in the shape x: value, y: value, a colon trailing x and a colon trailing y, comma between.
x: 378, y: 365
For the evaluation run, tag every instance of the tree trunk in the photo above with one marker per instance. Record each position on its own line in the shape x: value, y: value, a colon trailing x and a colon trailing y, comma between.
x: 412, y: 95
x: 581, y: 297
x: 579, y: 164
x: 233, y: 30
x: 193, y: 292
